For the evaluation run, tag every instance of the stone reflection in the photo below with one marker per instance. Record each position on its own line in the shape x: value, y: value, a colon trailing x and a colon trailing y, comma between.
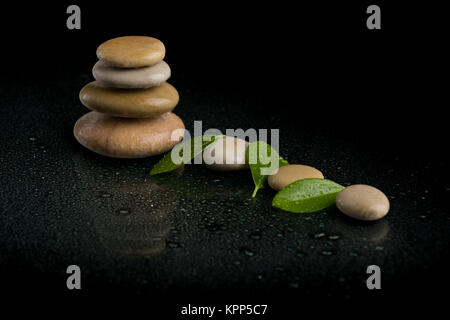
x: 130, y: 214
x: 140, y: 224
x: 376, y: 231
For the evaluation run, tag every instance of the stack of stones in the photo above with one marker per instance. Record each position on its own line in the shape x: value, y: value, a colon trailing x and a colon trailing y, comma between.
x: 131, y: 101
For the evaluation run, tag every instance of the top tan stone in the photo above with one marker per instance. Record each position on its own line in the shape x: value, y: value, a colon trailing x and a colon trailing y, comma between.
x: 131, y: 51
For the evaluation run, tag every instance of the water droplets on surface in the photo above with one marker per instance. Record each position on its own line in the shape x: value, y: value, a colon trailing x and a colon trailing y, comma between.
x: 123, y: 211
x: 319, y: 235
x: 255, y: 236
x: 279, y: 269
x: 173, y: 245
x: 247, y: 252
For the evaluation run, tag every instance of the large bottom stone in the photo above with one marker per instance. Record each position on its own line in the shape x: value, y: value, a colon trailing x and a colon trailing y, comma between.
x: 128, y: 138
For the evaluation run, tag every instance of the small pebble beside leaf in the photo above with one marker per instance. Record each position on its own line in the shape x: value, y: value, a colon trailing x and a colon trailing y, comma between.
x: 166, y: 164
x: 307, y: 195
x: 259, y: 155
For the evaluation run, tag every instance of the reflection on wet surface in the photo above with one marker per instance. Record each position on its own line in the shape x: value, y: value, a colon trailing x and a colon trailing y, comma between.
x: 130, y: 219
x: 195, y: 227
x: 375, y: 231
x: 134, y: 230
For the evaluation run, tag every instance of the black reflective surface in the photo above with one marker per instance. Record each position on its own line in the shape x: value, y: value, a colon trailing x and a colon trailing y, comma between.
x: 196, y: 236
x: 199, y: 229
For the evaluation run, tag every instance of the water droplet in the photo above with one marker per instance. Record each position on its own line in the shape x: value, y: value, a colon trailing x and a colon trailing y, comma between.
x: 319, y: 235
x: 279, y: 269
x: 379, y: 248
x: 106, y: 195
x: 123, y: 212
x: 326, y: 253
x: 237, y: 262
x: 32, y: 139
x: 172, y: 244
x: 334, y: 237
x: 249, y: 253
x: 255, y: 236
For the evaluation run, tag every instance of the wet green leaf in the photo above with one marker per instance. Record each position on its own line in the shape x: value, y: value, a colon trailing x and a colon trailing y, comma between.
x: 260, y: 156
x: 307, y: 195
x: 197, y: 145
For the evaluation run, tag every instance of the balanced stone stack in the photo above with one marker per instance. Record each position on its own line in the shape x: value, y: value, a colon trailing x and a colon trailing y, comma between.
x: 131, y: 101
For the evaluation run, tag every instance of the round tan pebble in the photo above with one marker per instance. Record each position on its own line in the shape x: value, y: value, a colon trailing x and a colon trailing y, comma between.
x: 363, y: 202
x: 131, y: 51
x: 128, y: 138
x: 226, y: 154
x: 291, y: 173
x: 144, y: 77
x: 136, y: 103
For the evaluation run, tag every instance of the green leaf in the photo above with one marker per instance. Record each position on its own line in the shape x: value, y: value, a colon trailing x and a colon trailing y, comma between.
x: 195, y: 145
x: 260, y: 156
x: 307, y: 195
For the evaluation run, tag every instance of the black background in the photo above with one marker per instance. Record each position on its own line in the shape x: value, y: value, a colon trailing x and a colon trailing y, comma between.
x: 312, y: 65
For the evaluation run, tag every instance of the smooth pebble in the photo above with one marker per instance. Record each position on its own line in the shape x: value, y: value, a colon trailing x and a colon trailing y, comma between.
x: 131, y: 51
x: 128, y: 138
x: 363, y: 202
x: 226, y: 154
x: 137, y: 103
x: 132, y: 78
x: 291, y: 173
